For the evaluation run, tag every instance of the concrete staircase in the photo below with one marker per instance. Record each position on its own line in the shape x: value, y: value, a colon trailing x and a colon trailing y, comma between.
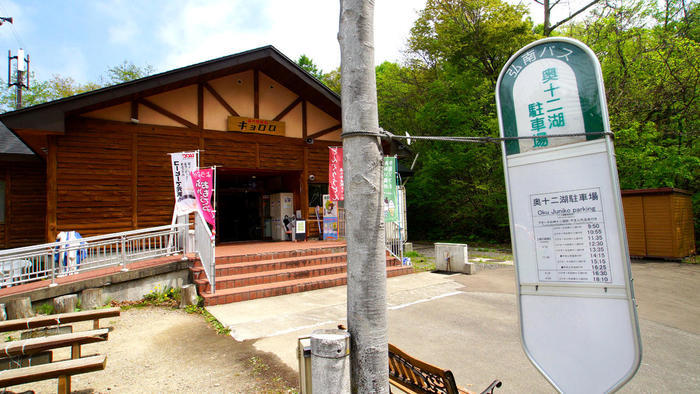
x: 251, y: 276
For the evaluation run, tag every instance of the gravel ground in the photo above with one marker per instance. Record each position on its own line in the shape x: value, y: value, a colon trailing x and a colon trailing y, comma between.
x: 161, y: 350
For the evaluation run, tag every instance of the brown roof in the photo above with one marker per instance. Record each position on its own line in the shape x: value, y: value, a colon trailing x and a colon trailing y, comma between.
x: 51, y: 116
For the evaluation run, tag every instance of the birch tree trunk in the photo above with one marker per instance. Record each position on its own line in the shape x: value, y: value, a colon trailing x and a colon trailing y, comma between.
x: 362, y: 166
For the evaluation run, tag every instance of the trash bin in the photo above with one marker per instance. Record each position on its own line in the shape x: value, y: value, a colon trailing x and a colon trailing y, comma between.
x: 304, y: 357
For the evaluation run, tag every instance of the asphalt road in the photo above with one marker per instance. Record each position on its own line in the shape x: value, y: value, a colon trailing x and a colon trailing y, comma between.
x: 468, y: 324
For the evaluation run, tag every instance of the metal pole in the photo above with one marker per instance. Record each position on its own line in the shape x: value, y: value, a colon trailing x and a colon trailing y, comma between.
x: 330, y: 364
x: 364, y: 216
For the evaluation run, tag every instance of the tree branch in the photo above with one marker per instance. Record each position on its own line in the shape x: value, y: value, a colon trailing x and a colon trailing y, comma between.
x: 587, y: 6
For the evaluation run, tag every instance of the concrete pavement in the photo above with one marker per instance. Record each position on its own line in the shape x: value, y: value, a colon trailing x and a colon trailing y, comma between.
x: 468, y: 324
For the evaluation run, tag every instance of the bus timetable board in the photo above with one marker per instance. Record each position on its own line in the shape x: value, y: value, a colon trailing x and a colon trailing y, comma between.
x: 578, y: 315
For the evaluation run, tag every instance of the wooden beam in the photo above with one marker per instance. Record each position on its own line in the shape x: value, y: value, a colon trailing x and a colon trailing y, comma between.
x: 167, y: 113
x: 135, y: 110
x: 62, y: 318
x: 200, y: 106
x: 221, y: 100
x: 8, y: 207
x: 325, y: 131
x: 304, y: 128
x: 256, y: 94
x: 134, y: 180
x: 286, y: 110
x: 37, y: 345
x: 51, y: 190
x: 63, y: 369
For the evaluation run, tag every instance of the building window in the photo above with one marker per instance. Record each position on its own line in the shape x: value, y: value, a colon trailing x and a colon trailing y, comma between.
x: 2, y: 202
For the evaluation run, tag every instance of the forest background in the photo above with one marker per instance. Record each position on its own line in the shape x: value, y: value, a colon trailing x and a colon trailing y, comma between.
x: 649, y: 51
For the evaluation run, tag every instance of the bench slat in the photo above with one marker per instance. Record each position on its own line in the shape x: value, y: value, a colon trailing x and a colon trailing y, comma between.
x: 52, y: 320
x: 13, y: 377
x: 36, y: 345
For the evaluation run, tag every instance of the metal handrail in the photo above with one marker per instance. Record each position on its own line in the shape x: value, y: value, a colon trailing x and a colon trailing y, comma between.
x: 205, y: 248
x: 61, y: 258
x: 393, y: 240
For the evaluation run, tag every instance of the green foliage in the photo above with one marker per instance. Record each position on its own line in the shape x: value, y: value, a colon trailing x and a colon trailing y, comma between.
x: 650, y: 57
x: 213, y: 322
x: 162, y: 295
x: 45, y: 309
x: 58, y: 86
x: 127, y: 71
x: 310, y: 67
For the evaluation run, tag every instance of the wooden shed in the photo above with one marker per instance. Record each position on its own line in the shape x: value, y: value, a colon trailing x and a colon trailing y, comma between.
x: 659, y: 223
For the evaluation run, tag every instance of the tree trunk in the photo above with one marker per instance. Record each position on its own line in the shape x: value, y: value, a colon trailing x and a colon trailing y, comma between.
x: 19, y: 308
x: 66, y: 303
x: 547, y: 11
x: 188, y: 295
x: 91, y: 299
x: 362, y: 165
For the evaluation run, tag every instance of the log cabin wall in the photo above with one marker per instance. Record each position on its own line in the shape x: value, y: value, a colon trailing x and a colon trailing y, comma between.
x: 24, y: 183
x: 113, y: 174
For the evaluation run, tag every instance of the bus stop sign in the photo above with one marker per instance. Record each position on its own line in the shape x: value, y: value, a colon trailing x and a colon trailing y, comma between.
x: 578, y: 317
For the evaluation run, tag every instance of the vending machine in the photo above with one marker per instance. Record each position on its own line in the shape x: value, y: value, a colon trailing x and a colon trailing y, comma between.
x: 281, y: 206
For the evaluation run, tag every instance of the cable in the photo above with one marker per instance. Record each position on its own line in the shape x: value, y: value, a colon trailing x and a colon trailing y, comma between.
x: 485, y: 140
x: 14, y: 31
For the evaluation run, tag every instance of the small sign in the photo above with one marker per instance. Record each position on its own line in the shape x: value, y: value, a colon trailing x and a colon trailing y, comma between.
x: 301, y: 227
x: 252, y: 125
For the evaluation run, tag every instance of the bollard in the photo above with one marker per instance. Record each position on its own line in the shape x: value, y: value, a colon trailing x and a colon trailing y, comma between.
x: 330, y: 364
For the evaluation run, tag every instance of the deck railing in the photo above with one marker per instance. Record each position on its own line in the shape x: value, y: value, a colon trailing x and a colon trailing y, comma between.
x: 57, y: 259
x: 394, y: 240
x: 205, y: 249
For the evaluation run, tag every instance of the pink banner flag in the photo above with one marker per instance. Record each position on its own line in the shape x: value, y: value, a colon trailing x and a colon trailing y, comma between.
x: 203, y: 182
x: 335, y: 173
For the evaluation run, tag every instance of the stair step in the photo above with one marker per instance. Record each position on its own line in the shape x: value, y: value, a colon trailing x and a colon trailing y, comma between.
x: 278, y: 264
x: 236, y: 294
x: 258, y: 278
x: 280, y: 254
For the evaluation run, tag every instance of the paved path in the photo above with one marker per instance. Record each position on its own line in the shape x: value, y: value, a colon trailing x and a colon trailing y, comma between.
x: 469, y: 324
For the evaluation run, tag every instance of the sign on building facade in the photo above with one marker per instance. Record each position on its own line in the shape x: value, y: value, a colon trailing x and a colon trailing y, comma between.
x: 575, y: 297
x: 253, y: 125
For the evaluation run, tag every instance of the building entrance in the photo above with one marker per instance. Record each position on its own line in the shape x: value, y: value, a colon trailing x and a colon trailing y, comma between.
x: 242, y: 205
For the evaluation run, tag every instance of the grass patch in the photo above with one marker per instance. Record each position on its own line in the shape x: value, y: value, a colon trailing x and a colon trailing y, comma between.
x: 420, y: 262
x: 46, y: 308
x: 213, y: 322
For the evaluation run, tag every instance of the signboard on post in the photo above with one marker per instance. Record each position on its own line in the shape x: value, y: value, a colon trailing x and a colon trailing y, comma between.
x: 335, y: 173
x: 330, y: 218
x: 183, y: 164
x: 578, y: 315
x: 391, y: 211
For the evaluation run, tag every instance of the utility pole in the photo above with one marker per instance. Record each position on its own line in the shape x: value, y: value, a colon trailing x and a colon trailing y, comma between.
x: 22, y: 71
x: 364, y: 216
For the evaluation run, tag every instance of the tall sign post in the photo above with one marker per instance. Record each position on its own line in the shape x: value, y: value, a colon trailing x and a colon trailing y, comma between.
x: 576, y: 303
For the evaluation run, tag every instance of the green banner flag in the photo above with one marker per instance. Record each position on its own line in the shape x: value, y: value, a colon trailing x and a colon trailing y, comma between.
x: 391, y: 211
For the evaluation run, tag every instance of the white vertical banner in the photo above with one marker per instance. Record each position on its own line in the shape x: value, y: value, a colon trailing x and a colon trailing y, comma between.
x: 183, y: 164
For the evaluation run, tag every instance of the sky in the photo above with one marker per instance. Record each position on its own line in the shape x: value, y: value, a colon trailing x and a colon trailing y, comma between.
x: 81, y: 39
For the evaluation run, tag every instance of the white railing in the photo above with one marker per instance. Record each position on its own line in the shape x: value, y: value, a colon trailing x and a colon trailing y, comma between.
x: 57, y: 259
x: 204, y: 242
x: 394, y: 240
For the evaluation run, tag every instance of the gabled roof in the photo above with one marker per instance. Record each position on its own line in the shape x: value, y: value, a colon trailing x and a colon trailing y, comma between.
x: 51, y: 116
x: 10, y: 144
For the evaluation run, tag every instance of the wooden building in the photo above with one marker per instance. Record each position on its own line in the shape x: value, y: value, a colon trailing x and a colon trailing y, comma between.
x: 100, y: 159
x: 659, y: 223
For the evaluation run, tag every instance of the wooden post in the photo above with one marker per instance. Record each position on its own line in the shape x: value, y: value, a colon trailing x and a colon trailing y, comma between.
x: 91, y: 298
x: 51, y: 190
x: 66, y: 303
x: 188, y: 295
x: 75, y: 350
x: 19, y: 308
x: 64, y: 384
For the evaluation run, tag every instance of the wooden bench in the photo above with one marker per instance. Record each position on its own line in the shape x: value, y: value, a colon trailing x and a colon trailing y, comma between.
x: 63, y: 370
x: 415, y: 376
x: 63, y: 318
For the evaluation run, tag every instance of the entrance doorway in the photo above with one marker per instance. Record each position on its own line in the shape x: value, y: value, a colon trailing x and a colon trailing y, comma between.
x: 242, y: 202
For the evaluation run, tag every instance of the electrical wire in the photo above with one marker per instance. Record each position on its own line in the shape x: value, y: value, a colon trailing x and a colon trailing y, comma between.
x: 487, y: 140
x: 14, y: 31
